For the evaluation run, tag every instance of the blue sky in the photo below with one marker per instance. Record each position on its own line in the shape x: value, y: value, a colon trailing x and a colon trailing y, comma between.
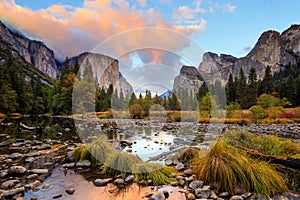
x: 225, y: 32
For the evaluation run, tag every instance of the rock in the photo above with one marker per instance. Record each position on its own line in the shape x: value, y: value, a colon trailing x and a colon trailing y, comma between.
x: 35, y: 189
x: 119, y: 181
x: 44, y: 147
x: 213, y: 195
x: 46, y: 186
x: 83, y: 163
x: 13, y: 192
x: 70, y: 191
x: 180, y: 166
x: 224, y: 194
x: 102, y: 182
x: 29, y: 160
x: 9, y: 184
x: 196, y: 184
x: 181, y: 182
x: 32, y: 176
x: 3, y: 173
x: 39, y: 171
x: 168, y: 162
x: 129, y: 179
x: 236, y: 197
x: 17, y: 170
x: 59, y: 134
x: 203, y: 193
x: 57, y: 196
x: 68, y: 165
x: 279, y: 197
x: 6, y: 143
x: 33, y: 185
x: 161, y: 195
x: 126, y: 143
x: 291, y: 196
x: 34, y: 198
x: 190, y: 196
x: 15, y: 156
x: 174, y: 183
x: 191, y: 178
x: 188, y: 172
x: 69, y: 157
x: 17, y: 144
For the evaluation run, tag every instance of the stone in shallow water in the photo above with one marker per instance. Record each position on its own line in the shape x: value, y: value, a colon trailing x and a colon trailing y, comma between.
x: 39, y: 171
x: 46, y: 186
x: 13, y: 192
x: 70, y: 191
x: 129, y: 179
x: 169, y: 162
x: 119, y: 181
x: 196, y: 184
x: 202, y: 193
x: 188, y: 172
x: 9, y: 184
x: 180, y: 166
x: 236, y: 197
x: 102, y: 182
x: 7, y: 142
x: 17, y: 170
x: 57, y: 196
x: 83, y: 163
x: 29, y: 160
x: 32, y: 176
x: 69, y: 165
x: 44, y: 147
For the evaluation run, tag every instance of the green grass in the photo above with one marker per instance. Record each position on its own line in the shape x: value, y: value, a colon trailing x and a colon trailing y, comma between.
x: 120, y: 163
x: 270, y: 145
x: 158, y: 174
x: 226, y: 168
x: 96, y: 152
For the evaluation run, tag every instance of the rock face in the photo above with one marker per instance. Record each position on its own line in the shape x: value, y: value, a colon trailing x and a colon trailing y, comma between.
x: 34, y: 52
x: 272, y: 49
x: 105, y: 69
x: 188, y: 78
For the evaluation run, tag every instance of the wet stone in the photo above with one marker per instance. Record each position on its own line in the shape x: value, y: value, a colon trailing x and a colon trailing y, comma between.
x: 203, y: 193
x: 70, y: 191
x: 9, y: 184
x: 196, y: 184
x: 180, y: 166
x: 102, y: 182
x: 57, y: 196
x: 236, y: 197
x: 83, y: 163
x: 17, y: 170
x: 39, y: 171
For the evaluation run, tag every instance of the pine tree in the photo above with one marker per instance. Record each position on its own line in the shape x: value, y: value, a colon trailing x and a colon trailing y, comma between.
x: 252, y: 88
x: 132, y: 99
x: 267, y: 82
x: 230, y: 90
x: 241, y: 90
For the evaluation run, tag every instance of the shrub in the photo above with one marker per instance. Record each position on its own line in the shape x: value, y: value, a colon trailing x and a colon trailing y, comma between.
x: 158, y: 174
x: 136, y: 111
x: 231, y: 108
x: 268, y: 101
x: 258, y: 112
x: 288, y: 115
x: 275, y: 112
x: 225, y: 168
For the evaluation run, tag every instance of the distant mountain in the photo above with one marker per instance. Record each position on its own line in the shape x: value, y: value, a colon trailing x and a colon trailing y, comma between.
x: 105, y: 69
x: 166, y: 94
x: 34, y: 52
x: 272, y: 49
x: 189, y: 78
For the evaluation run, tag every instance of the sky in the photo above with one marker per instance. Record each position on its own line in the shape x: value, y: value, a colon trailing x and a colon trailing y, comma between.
x: 70, y: 27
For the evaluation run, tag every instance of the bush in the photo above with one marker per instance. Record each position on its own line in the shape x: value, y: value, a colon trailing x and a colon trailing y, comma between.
x: 258, y: 112
x: 268, y: 101
x: 136, y: 111
x: 288, y: 115
x: 231, y: 108
x: 226, y: 168
x: 275, y: 112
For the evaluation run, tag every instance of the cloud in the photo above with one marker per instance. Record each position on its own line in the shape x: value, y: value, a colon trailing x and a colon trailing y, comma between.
x: 71, y: 30
x: 183, y: 12
x: 229, y: 8
x: 142, y: 3
x: 194, y: 26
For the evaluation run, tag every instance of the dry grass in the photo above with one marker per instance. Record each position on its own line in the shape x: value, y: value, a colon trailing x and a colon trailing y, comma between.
x: 226, y: 168
x: 189, y: 154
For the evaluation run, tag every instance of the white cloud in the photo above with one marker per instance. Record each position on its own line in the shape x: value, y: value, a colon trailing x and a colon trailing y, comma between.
x: 196, y: 26
x: 183, y: 12
x: 229, y: 8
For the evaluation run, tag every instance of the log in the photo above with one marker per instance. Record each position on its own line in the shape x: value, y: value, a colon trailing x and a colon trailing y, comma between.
x: 293, y: 163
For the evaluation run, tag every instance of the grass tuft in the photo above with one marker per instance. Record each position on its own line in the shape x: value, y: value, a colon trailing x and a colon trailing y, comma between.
x: 189, y: 154
x: 158, y: 174
x: 226, y: 168
x: 120, y: 163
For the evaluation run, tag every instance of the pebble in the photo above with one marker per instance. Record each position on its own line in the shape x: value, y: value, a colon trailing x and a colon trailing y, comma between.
x: 46, y: 186
x: 196, y: 184
x: 203, y: 193
x: 44, y: 147
x: 68, y: 165
x: 15, y: 156
x: 102, y: 182
x: 180, y: 166
x: 190, y: 196
x: 236, y: 197
x: 83, y: 163
x: 9, y: 184
x: 188, y: 172
x: 17, y: 170
x: 32, y: 176
x: 129, y: 179
x: 39, y: 171
x: 70, y: 191
x: 29, y: 160
x: 13, y: 192
x: 57, y: 196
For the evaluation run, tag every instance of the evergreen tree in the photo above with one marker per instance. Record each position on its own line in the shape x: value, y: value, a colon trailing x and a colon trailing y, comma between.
x: 241, y: 90
x: 252, y: 88
x: 132, y: 99
x: 230, y: 90
x: 267, y: 82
